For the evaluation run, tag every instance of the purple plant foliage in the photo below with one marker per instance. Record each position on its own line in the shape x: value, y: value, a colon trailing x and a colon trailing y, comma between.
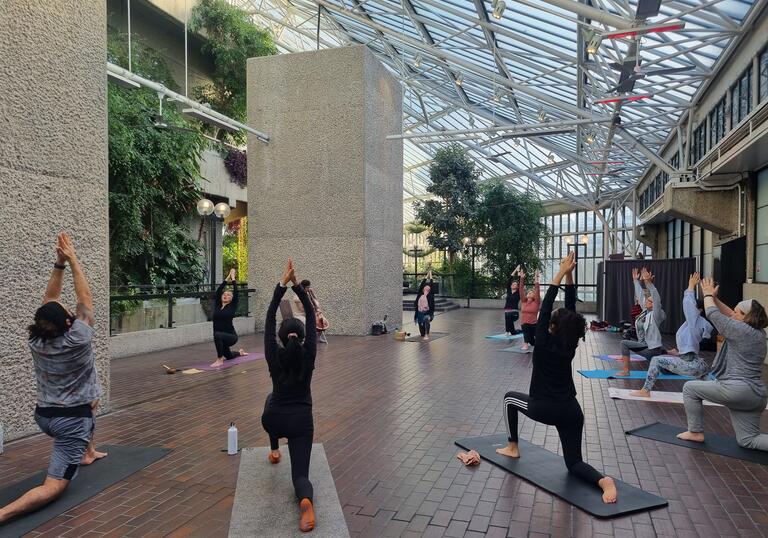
x: 236, y: 163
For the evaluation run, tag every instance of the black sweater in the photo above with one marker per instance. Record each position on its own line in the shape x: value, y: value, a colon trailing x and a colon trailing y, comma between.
x: 296, y: 397
x: 513, y: 298
x: 552, y: 378
x: 222, y: 317
x: 430, y: 298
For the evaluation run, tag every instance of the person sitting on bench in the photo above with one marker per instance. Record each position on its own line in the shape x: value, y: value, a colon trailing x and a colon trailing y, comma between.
x: 552, y: 398
x: 685, y: 359
x: 738, y: 370
x: 67, y: 386
x: 647, y: 324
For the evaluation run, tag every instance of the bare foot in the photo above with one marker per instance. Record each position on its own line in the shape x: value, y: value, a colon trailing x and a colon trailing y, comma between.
x: 91, y: 456
x: 510, y: 450
x: 696, y: 437
x: 424, y: 338
x: 524, y: 347
x: 274, y: 456
x: 609, y: 489
x: 217, y: 363
x: 621, y: 373
x: 242, y: 352
x: 642, y: 393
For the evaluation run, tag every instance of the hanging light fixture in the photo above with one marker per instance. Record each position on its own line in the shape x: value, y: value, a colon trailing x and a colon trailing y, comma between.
x: 594, y: 40
x: 516, y: 142
x: 551, y: 158
x: 497, y: 94
x: 417, y: 60
x: 459, y: 79
x: 542, y: 115
x: 590, y: 138
x: 498, y: 8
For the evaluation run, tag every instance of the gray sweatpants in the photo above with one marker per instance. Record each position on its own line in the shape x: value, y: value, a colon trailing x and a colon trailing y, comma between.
x: 744, y: 405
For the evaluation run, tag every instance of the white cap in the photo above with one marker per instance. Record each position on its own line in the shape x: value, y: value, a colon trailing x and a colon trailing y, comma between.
x: 745, y: 306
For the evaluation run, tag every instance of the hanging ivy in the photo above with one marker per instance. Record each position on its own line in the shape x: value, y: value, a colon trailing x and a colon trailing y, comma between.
x: 236, y: 163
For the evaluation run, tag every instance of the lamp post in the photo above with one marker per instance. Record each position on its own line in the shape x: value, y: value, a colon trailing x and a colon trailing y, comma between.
x: 415, y: 249
x: 473, y: 245
x: 210, y: 212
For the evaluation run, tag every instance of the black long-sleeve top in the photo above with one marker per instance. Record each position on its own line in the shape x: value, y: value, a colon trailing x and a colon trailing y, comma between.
x: 513, y: 298
x: 552, y: 378
x: 287, y: 399
x: 430, y: 298
x: 222, y: 317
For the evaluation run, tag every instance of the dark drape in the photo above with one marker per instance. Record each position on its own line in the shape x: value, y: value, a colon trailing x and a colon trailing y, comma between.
x: 671, y: 281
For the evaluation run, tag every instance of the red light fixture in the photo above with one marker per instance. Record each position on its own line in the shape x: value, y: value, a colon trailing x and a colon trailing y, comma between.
x: 634, y: 32
x: 627, y: 98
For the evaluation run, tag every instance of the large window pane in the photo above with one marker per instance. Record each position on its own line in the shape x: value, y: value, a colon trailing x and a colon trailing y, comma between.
x: 763, y: 76
x: 761, y: 263
x: 761, y: 226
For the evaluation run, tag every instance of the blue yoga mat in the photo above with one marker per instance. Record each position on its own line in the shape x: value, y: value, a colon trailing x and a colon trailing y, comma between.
x: 616, y: 358
x: 633, y: 374
x: 503, y: 336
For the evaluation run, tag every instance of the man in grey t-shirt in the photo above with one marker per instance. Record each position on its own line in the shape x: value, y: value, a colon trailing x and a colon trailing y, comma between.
x: 67, y: 386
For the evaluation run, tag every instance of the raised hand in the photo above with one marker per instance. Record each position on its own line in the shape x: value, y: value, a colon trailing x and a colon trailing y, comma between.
x: 635, y: 273
x: 693, y: 281
x: 568, y: 263
x: 232, y: 276
x: 289, y: 273
x: 708, y: 287
x: 66, y: 248
x: 647, y: 276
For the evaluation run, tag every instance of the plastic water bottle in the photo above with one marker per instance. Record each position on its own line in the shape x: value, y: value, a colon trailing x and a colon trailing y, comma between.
x: 232, y: 439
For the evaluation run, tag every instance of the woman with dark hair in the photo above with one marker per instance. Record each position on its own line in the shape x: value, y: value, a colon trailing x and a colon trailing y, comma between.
x: 738, y: 370
x: 425, y: 306
x: 288, y: 409
x: 224, y: 309
x: 512, y: 304
x: 552, y: 396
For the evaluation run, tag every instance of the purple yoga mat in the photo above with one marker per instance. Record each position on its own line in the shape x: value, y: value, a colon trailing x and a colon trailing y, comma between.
x: 227, y: 364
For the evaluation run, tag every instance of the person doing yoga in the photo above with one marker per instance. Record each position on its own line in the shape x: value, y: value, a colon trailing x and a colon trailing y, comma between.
x: 738, y: 370
x: 529, y: 311
x: 288, y: 409
x: 512, y: 303
x: 68, y: 389
x: 647, y: 324
x: 224, y: 308
x: 552, y: 395
x: 685, y: 359
x: 425, y: 306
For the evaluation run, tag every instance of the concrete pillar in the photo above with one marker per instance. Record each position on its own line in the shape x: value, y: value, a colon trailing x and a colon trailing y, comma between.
x: 53, y: 177
x: 327, y: 190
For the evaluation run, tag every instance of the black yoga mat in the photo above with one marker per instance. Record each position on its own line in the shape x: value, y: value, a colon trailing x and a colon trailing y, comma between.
x: 122, y: 462
x: 716, y: 444
x: 432, y: 336
x: 547, y: 471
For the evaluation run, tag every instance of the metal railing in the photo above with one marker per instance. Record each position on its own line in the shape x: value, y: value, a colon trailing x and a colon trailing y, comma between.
x: 144, y: 307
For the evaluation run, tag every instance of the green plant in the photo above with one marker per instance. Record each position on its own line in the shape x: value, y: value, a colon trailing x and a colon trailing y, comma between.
x: 230, y: 39
x: 153, y: 180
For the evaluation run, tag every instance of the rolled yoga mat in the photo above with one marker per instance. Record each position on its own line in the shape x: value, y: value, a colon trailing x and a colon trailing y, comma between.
x: 265, y: 502
x: 121, y: 463
x: 504, y: 336
x: 547, y: 471
x: 715, y: 444
x: 206, y: 366
x: 633, y: 374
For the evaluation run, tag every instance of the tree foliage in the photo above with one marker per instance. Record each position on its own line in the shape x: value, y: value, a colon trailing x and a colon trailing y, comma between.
x: 231, y: 38
x: 453, y: 215
x: 153, y: 180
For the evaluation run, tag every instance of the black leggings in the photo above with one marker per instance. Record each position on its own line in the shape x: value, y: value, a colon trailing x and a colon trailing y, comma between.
x: 567, y: 417
x: 529, y: 333
x: 299, y: 429
x: 509, y: 322
x: 223, y: 342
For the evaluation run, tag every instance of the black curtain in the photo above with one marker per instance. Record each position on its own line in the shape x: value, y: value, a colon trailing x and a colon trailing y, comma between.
x: 671, y: 281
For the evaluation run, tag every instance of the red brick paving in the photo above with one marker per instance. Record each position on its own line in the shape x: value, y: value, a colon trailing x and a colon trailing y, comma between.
x: 388, y: 413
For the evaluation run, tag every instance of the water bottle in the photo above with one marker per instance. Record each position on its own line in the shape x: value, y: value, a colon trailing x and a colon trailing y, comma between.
x: 232, y: 439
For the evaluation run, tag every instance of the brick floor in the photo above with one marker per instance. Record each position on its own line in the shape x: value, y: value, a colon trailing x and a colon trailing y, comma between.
x: 388, y: 413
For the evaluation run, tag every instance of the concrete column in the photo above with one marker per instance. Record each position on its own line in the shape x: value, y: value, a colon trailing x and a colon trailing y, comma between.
x: 327, y: 190
x: 53, y: 172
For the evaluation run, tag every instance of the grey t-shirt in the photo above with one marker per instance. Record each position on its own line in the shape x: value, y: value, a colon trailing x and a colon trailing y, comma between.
x: 65, y: 369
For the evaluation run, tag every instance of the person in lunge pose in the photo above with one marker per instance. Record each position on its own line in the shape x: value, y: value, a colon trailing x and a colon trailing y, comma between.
x: 552, y: 396
x: 512, y: 303
x: 647, y: 324
x: 531, y: 303
x: 738, y: 370
x: 425, y: 306
x: 68, y: 390
x: 290, y: 353
x: 685, y: 359
x: 224, y: 309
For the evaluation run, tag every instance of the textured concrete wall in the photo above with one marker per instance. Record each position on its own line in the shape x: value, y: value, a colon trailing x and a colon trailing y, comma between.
x: 327, y: 190
x: 53, y: 176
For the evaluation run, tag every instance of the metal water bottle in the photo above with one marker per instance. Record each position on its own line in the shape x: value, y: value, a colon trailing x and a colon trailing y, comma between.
x: 232, y: 439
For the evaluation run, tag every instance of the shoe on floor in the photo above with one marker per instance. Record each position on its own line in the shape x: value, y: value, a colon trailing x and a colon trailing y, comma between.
x: 307, y: 521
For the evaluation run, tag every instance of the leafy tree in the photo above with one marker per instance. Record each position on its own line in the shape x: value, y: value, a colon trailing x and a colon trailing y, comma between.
x: 512, y: 223
x: 153, y: 180
x: 453, y: 215
x: 231, y: 38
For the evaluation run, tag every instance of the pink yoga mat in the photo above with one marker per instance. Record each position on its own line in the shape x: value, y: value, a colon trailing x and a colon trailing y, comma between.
x: 227, y: 364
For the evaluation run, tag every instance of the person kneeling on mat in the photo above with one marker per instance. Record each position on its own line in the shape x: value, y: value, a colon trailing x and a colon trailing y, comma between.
x: 738, y: 370
x: 552, y: 398
x: 647, y: 324
x: 686, y: 360
x: 288, y: 409
x: 224, y: 310
x: 67, y: 387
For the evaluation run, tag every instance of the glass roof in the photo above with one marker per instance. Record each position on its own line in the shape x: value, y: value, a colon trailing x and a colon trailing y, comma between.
x: 524, y: 93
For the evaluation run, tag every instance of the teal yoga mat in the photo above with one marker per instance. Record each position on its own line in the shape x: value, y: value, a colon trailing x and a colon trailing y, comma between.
x: 633, y: 374
x: 504, y: 337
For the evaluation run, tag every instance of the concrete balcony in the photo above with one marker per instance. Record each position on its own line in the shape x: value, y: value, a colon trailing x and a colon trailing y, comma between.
x: 217, y: 182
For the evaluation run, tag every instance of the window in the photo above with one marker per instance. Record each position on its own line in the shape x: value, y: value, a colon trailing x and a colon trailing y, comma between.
x: 717, y: 123
x: 741, y: 97
x: 674, y: 162
x: 761, y: 228
x: 670, y: 240
x: 763, y: 81
x: 699, y: 147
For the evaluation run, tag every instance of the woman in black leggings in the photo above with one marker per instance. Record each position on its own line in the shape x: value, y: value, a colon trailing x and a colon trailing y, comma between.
x: 288, y: 410
x: 224, y: 334
x: 552, y: 398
